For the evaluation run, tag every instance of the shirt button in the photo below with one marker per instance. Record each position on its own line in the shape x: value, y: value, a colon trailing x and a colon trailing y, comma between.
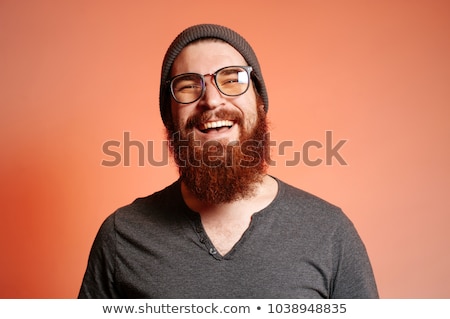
x: 212, y: 251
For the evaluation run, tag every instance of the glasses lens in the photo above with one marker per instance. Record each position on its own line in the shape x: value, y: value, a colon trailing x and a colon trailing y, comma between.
x: 233, y: 80
x: 187, y: 88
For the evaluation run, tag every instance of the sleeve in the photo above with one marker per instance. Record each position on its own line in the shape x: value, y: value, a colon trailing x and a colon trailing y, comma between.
x: 98, y: 281
x: 354, y: 277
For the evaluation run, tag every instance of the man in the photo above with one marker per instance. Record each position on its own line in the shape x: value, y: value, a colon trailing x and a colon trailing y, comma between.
x: 225, y: 229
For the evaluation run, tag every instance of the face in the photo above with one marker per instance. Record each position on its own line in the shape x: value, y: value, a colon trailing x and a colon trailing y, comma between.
x: 232, y: 172
x: 214, y: 116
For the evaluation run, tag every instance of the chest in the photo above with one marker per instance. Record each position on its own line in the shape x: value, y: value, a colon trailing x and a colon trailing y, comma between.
x: 262, y: 263
x: 200, y: 276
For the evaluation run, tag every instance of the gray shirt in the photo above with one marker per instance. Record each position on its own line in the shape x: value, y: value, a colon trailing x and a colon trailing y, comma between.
x: 297, y: 247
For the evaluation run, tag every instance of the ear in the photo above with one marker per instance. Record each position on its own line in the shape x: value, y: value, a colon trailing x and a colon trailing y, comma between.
x: 259, y: 102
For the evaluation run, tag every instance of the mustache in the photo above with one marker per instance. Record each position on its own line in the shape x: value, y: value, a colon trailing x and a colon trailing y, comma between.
x: 197, y: 119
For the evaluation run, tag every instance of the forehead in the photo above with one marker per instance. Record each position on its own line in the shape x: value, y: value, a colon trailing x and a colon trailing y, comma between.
x: 206, y: 56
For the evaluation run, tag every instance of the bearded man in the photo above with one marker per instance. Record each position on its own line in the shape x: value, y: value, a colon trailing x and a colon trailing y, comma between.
x: 225, y: 228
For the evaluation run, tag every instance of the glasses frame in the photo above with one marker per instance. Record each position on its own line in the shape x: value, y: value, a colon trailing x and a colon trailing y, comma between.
x: 170, y: 82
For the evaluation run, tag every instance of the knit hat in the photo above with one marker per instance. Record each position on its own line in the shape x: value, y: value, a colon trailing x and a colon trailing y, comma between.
x: 200, y: 31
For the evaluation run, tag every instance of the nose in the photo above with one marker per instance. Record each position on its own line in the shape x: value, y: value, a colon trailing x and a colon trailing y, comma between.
x: 212, y: 97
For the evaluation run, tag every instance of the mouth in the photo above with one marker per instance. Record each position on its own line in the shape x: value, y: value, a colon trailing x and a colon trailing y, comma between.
x: 215, y: 126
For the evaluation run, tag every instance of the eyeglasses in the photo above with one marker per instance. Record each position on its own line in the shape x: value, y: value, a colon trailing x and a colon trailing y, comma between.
x: 231, y: 81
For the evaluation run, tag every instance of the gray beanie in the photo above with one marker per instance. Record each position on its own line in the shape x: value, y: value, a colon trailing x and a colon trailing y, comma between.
x: 192, y: 34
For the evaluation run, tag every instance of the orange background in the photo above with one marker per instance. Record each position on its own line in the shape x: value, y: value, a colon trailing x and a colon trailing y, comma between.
x: 75, y: 74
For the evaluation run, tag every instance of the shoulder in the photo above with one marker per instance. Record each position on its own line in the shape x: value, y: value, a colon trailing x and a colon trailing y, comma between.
x: 299, y: 199
x: 152, y: 209
x: 302, y: 207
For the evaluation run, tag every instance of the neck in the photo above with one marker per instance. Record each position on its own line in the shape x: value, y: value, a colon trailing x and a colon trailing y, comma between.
x: 265, y: 192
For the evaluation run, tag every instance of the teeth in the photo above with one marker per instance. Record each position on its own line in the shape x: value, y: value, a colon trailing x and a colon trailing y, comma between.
x: 216, y: 124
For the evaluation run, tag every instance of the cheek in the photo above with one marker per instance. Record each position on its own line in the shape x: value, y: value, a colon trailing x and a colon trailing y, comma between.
x: 177, y: 114
x: 251, y: 122
x: 251, y: 114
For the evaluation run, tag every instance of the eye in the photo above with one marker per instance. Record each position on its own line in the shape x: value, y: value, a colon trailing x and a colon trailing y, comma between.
x: 187, y: 83
x: 232, y: 76
x: 183, y: 87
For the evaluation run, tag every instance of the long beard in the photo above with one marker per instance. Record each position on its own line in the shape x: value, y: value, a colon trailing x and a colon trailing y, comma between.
x: 221, y: 172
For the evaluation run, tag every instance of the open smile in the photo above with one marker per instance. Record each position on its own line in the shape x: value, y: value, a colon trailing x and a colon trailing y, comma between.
x: 215, y: 126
